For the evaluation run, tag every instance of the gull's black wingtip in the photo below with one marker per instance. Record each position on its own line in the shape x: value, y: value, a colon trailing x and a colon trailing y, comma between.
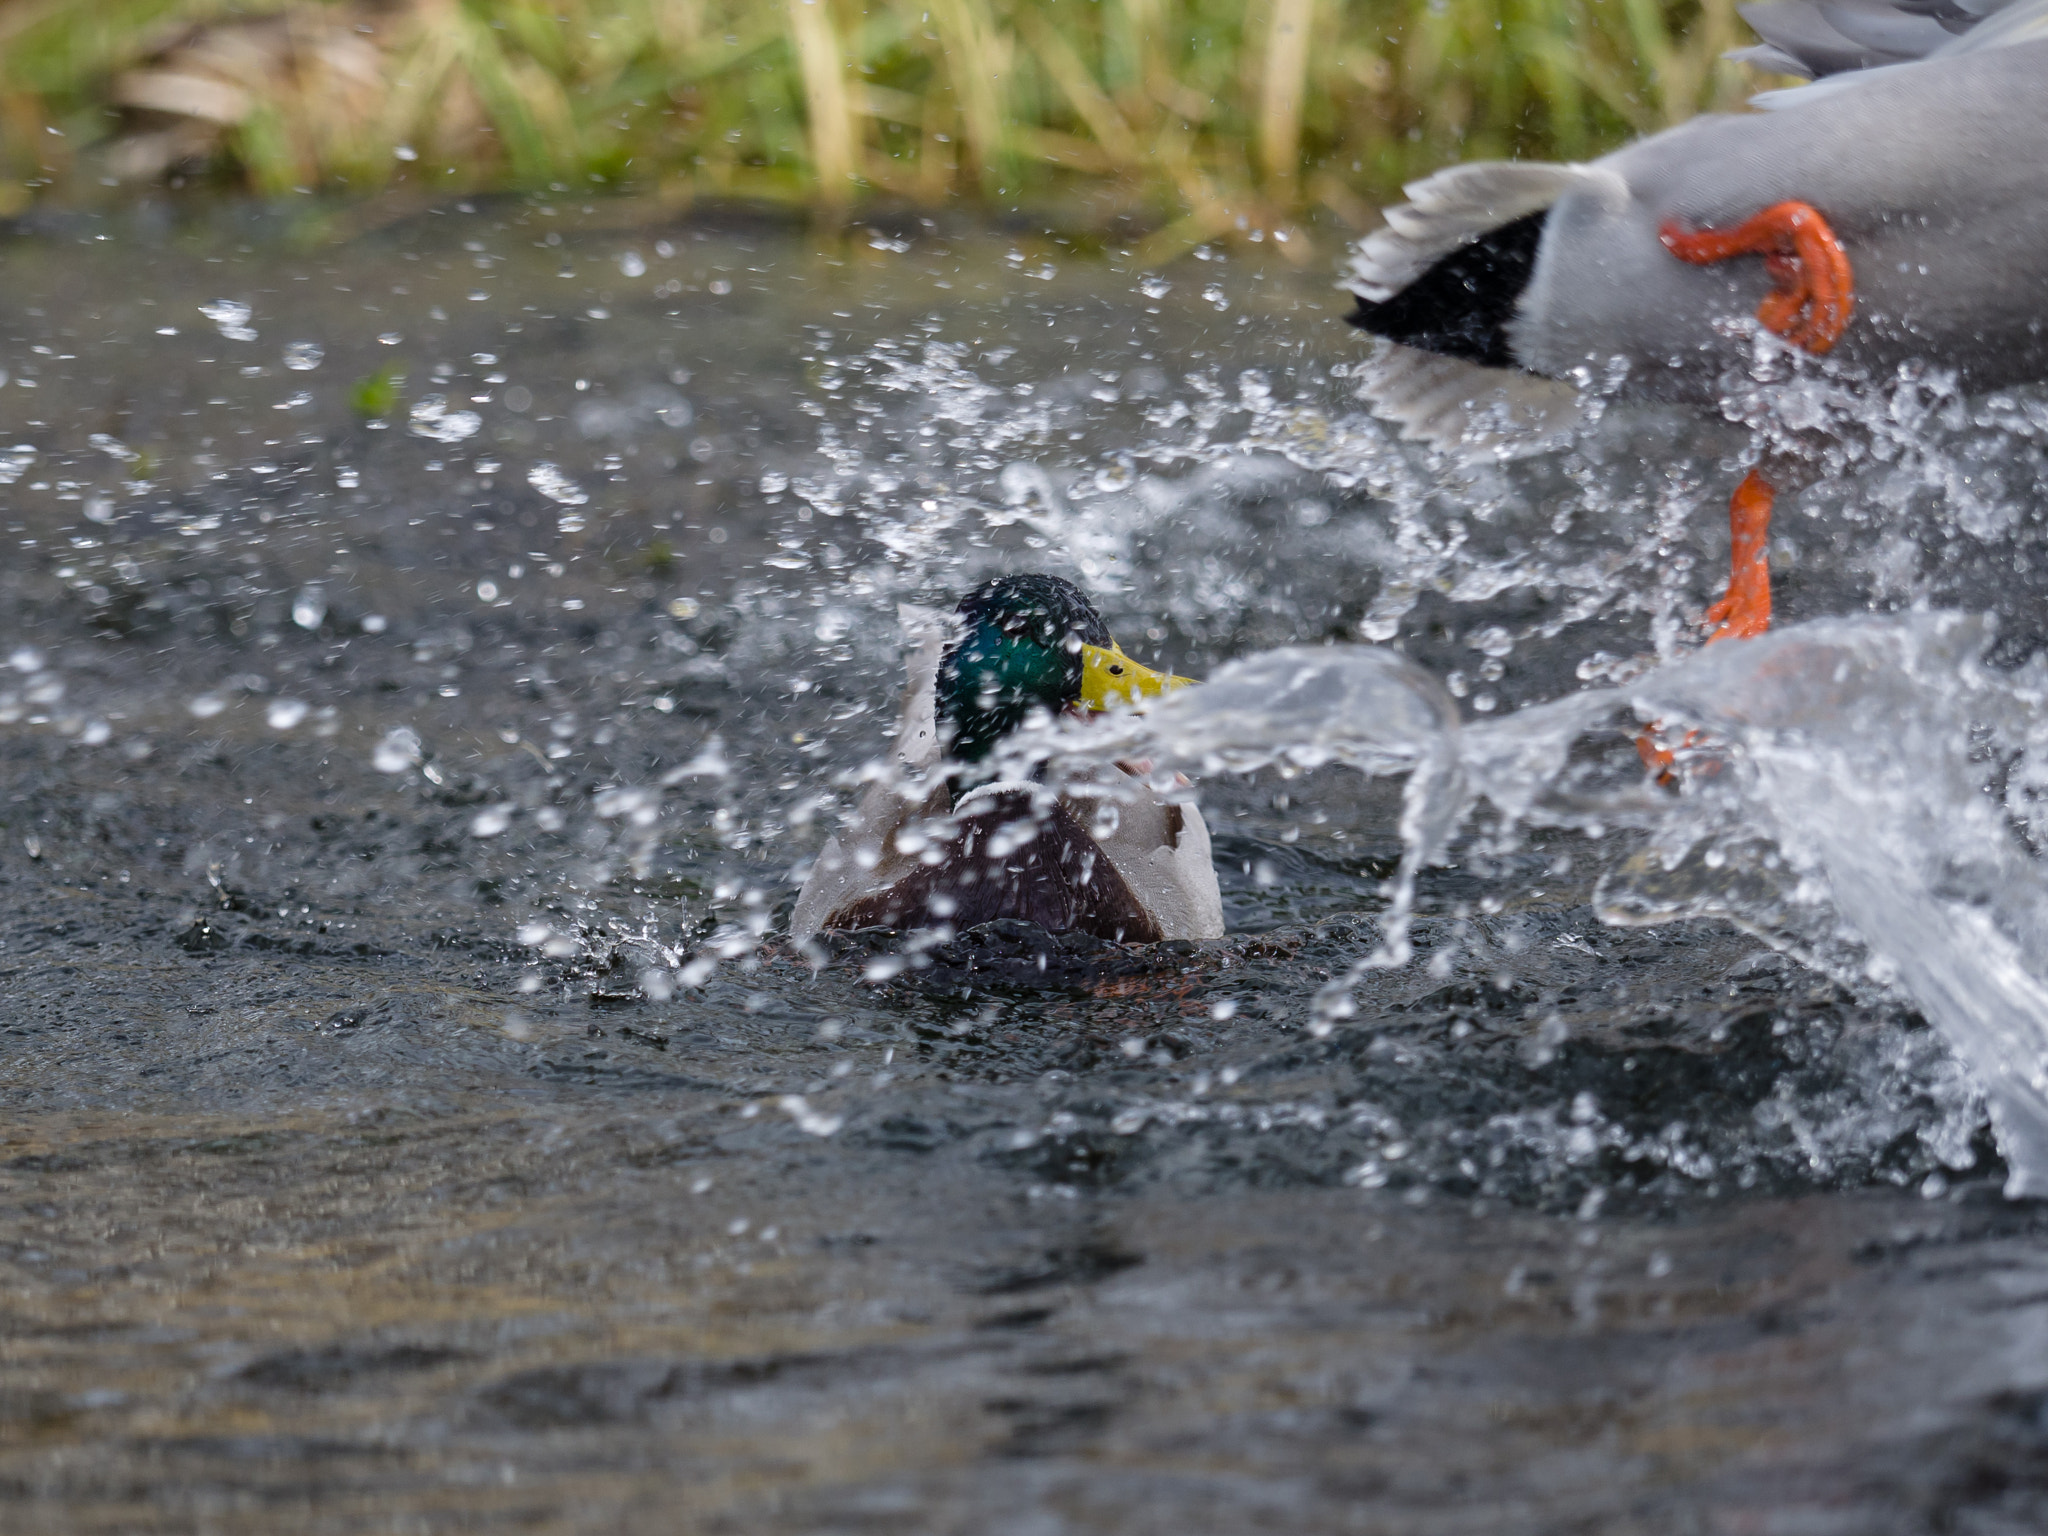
x: 1463, y: 305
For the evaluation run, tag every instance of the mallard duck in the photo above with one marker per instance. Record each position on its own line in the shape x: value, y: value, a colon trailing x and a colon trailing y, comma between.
x: 943, y: 842
x: 1894, y: 211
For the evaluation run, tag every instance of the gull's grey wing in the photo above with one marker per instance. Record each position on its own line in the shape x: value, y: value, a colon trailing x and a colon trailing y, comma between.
x: 1839, y: 42
x: 1817, y: 38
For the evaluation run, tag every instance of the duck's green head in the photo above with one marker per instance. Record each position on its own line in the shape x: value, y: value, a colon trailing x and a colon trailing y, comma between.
x: 1030, y: 643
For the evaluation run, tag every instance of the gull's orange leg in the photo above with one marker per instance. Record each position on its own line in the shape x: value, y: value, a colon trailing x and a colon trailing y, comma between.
x: 1744, y: 610
x: 1812, y: 296
x: 1815, y: 291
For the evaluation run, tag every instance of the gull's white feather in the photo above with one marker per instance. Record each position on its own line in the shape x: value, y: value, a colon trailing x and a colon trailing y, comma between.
x: 1448, y: 402
x: 1451, y: 209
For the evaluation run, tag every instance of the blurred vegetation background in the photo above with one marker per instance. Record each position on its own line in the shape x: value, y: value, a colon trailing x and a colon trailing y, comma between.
x: 1197, y: 119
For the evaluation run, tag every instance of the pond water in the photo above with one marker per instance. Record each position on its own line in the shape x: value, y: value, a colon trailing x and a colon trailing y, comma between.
x: 432, y: 655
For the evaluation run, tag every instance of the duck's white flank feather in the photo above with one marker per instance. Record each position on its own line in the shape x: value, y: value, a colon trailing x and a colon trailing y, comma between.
x: 864, y: 860
x: 1160, y: 847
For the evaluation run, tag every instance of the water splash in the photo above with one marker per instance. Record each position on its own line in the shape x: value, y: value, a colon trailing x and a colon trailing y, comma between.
x: 1834, y: 802
x: 1219, y: 490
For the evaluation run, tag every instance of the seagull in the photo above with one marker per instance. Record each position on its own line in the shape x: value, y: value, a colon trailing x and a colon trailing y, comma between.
x: 1892, y: 211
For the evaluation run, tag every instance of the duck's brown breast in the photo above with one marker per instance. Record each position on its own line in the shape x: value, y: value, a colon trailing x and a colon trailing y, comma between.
x: 1012, y: 858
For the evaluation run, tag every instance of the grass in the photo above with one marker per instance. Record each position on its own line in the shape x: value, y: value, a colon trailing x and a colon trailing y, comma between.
x: 1201, y: 118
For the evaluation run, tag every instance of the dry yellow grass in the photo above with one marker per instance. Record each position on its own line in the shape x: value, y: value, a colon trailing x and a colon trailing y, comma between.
x: 1208, y: 117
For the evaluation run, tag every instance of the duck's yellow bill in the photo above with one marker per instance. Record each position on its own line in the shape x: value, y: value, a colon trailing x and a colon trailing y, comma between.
x: 1109, y: 677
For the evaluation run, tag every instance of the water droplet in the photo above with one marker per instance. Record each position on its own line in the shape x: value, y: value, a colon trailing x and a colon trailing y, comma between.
x: 430, y: 418
x: 398, y: 751
x: 552, y: 483
x: 309, y: 607
x: 231, y: 316
x: 640, y: 806
x: 810, y: 1121
x: 303, y: 356
x: 490, y: 821
x: 207, y: 705
x: 283, y: 714
x: 1491, y: 641
x: 487, y: 590
x: 631, y: 265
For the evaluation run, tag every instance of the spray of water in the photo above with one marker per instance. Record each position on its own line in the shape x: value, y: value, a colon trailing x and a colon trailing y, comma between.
x: 1837, y: 805
x: 1222, y: 496
x: 1855, y: 753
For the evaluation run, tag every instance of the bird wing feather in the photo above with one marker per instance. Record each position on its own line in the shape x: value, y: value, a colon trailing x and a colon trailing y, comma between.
x: 1453, y: 208
x: 1838, y: 44
x: 1448, y: 402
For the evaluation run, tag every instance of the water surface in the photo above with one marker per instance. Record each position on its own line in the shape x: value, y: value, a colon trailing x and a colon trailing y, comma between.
x: 413, y: 1120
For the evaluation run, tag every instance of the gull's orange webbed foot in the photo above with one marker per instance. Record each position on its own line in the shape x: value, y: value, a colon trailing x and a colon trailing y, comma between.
x: 1815, y: 290
x: 1658, y: 758
x: 1744, y: 610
